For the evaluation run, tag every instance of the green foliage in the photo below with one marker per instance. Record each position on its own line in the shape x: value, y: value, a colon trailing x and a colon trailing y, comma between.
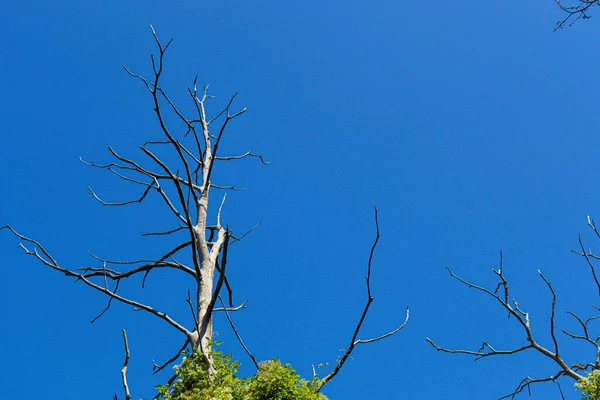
x: 590, y: 386
x: 273, y: 381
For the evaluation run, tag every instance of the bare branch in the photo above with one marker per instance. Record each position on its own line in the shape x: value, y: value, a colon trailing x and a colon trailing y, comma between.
x: 108, y: 304
x: 246, y: 154
x: 575, y: 12
x: 125, y: 366
x: 188, y: 218
x: 220, y: 210
x: 237, y: 239
x: 237, y: 333
x: 552, y: 329
x: 157, y: 368
x: 385, y: 334
x: 480, y: 353
x: 51, y: 262
x: 146, y: 267
x: 140, y: 77
x: 487, y: 350
x: 121, y: 203
x: 219, y: 284
x: 220, y: 135
x: 587, y: 257
x: 226, y: 187
x: 192, y: 310
x: 592, y: 225
x: 180, y: 227
x: 527, y: 382
x: 354, y: 341
x: 243, y: 305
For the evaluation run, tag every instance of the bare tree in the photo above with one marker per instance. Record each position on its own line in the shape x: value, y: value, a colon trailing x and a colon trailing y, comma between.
x: 504, y: 297
x: 580, y: 9
x: 184, y: 189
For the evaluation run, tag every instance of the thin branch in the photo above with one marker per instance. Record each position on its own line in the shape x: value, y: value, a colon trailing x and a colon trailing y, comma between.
x: 245, y: 155
x: 187, y: 219
x: 147, y: 266
x: 592, y: 225
x: 220, y: 135
x: 385, y: 334
x: 552, y: 329
x: 238, y: 238
x: 237, y: 333
x: 575, y: 12
x: 226, y: 187
x: 195, y: 318
x: 125, y: 366
x: 354, y: 341
x: 241, y: 306
x: 527, y: 382
x: 587, y: 258
x: 51, y: 262
x: 108, y: 304
x: 479, y: 353
x: 157, y: 368
x: 165, y: 232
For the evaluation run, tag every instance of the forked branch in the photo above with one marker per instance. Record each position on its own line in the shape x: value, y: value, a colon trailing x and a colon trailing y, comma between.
x: 579, y: 10
x: 522, y: 317
x: 49, y: 261
x: 354, y: 341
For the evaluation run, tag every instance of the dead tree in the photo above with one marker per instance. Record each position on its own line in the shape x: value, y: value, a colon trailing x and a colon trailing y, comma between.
x: 502, y: 295
x: 184, y: 190
x: 579, y: 10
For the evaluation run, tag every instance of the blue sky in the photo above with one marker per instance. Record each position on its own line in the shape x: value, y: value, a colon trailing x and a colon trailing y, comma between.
x: 472, y: 126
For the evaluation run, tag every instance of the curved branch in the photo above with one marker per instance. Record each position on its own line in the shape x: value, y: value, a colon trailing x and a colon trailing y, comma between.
x: 354, y: 341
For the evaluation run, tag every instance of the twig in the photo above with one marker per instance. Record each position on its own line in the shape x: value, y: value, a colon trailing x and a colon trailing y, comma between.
x: 574, y: 13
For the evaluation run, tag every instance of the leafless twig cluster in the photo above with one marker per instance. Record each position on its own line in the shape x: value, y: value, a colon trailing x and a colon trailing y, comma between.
x: 503, y: 296
x: 579, y: 10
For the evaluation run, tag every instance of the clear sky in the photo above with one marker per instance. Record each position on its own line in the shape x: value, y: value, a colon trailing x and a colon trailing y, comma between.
x: 473, y: 126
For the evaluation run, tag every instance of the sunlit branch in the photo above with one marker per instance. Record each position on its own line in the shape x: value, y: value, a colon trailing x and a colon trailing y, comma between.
x: 125, y: 366
x: 120, y: 203
x: 227, y: 187
x: 245, y: 155
x: 241, y: 306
